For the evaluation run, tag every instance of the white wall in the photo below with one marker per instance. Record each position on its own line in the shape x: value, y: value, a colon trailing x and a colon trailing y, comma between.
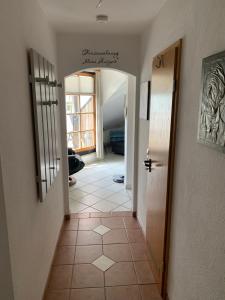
x: 6, y: 287
x: 33, y: 227
x: 114, y: 92
x: 130, y: 154
x: 197, y: 265
x: 111, y: 82
x: 143, y: 132
x: 70, y: 48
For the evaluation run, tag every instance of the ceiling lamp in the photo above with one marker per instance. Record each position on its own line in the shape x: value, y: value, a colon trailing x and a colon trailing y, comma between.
x: 102, y: 18
x: 99, y: 4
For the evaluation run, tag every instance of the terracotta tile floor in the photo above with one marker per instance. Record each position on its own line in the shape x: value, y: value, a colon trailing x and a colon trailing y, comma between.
x: 82, y: 254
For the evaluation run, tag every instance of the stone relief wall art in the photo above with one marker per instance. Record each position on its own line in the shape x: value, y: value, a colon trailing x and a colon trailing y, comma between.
x: 211, y: 129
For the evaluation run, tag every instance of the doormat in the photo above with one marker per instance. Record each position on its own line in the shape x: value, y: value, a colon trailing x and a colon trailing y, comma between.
x: 118, y: 178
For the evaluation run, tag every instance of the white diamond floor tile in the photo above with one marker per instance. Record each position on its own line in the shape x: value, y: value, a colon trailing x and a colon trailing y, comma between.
x: 103, y: 263
x: 101, y: 229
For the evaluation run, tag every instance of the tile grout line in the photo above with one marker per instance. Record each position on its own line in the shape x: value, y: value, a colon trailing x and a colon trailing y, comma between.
x: 103, y: 254
x: 108, y: 286
x: 110, y: 202
x: 116, y: 262
x: 131, y: 251
x: 119, y: 190
x: 73, y: 268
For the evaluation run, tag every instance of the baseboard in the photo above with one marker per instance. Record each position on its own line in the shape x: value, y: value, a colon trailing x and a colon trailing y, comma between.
x: 148, y: 253
x: 128, y: 186
x: 67, y: 217
x: 49, y: 272
x: 135, y: 216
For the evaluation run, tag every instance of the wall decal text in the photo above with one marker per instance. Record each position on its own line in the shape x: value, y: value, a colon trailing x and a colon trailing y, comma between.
x: 105, y: 57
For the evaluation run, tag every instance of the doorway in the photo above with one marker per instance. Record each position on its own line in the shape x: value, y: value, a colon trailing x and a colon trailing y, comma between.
x: 100, y: 114
x: 160, y: 158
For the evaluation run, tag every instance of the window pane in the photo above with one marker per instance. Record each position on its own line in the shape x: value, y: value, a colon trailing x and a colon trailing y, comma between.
x: 86, y: 104
x: 73, y: 123
x: 73, y: 140
x: 72, y: 84
x: 72, y: 104
x: 87, y: 122
x: 87, y: 139
x: 86, y: 84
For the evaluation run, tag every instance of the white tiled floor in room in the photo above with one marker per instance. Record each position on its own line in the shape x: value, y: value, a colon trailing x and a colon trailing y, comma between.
x: 95, y: 190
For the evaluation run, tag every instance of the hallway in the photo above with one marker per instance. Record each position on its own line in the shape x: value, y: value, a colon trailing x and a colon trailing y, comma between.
x: 101, y: 256
x: 168, y: 106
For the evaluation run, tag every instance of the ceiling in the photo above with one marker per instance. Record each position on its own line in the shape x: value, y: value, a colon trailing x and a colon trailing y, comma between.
x: 125, y: 16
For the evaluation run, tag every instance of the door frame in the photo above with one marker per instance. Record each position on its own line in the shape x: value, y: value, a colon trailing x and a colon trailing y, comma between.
x: 178, y: 49
x: 169, y: 195
x: 135, y: 87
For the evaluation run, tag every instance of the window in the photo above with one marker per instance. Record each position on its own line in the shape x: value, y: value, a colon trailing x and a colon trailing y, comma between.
x: 80, y: 112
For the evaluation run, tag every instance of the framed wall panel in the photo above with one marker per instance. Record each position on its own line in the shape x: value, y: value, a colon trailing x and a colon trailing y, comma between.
x: 49, y: 121
x: 44, y: 120
x: 52, y: 140
x: 55, y: 128
x: 38, y: 122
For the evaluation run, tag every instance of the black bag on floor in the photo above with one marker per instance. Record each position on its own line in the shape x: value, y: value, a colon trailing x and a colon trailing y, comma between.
x: 75, y: 162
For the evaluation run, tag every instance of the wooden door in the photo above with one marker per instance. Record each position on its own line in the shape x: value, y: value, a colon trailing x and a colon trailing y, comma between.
x: 160, y: 156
